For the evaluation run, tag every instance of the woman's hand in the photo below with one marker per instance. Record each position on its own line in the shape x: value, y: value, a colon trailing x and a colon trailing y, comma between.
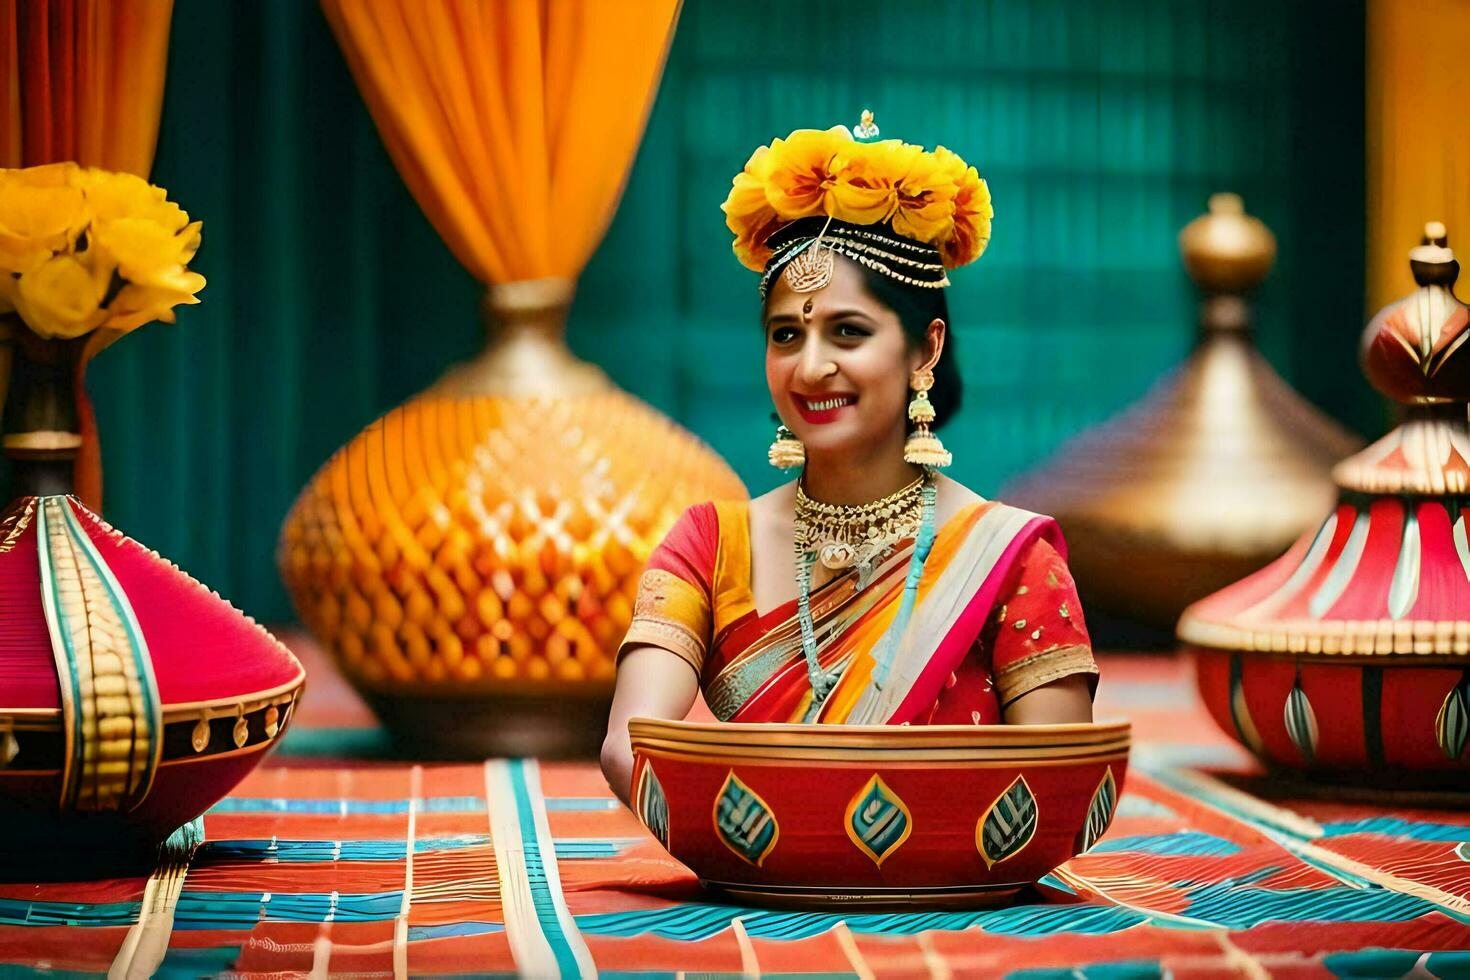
x: 652, y: 683
x: 1064, y: 701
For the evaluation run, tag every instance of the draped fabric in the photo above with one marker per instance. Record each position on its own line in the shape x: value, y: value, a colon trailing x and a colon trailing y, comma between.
x: 82, y: 80
x: 1419, y: 153
x: 513, y: 123
x: 995, y: 616
x: 1102, y: 128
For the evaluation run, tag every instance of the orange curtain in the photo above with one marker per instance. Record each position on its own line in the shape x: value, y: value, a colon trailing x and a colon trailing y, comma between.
x: 513, y: 122
x: 1418, y: 163
x: 82, y: 80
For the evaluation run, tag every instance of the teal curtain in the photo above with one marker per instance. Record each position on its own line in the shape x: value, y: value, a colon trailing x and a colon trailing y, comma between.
x: 1101, y: 125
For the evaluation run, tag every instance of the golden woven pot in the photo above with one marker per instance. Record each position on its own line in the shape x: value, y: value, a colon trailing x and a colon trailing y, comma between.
x: 471, y: 559
x: 1165, y: 502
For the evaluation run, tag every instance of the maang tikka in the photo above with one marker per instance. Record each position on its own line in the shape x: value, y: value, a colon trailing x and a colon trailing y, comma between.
x: 923, y: 447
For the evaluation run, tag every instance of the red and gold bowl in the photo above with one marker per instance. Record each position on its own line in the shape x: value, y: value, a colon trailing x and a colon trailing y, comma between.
x: 874, y: 815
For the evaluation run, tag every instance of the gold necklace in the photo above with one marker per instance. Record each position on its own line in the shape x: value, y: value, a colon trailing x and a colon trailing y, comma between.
x: 842, y: 536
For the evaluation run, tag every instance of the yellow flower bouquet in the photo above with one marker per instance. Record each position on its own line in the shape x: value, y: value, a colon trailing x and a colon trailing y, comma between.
x: 932, y: 197
x: 83, y: 249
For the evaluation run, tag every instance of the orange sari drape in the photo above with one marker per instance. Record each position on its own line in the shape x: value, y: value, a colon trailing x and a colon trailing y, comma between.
x: 513, y: 122
x: 1418, y: 145
x: 82, y: 80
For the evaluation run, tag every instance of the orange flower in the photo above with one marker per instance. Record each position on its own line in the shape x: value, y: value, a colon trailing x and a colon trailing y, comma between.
x: 867, y: 175
x: 925, y: 206
x: 928, y: 197
x: 972, y: 211
x: 749, y: 214
x: 802, y: 180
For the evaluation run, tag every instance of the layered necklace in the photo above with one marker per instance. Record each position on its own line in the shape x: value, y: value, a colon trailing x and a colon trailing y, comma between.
x: 855, y: 536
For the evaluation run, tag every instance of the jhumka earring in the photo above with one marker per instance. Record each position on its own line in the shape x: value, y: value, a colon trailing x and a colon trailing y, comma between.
x: 786, y: 452
x: 923, y: 447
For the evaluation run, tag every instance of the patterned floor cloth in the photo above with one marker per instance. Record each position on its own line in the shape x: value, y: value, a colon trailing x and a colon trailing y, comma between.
x: 321, y: 865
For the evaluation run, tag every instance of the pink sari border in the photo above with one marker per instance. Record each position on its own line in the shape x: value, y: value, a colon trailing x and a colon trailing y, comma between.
x: 957, y: 642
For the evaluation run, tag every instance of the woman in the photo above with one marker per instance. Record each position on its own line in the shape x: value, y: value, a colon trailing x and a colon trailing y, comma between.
x: 871, y: 590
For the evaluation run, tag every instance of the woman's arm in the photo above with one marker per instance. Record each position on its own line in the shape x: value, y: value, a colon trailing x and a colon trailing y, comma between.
x: 1064, y: 701
x: 652, y: 683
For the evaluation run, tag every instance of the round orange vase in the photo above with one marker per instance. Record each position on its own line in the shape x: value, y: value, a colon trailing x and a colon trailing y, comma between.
x: 471, y: 559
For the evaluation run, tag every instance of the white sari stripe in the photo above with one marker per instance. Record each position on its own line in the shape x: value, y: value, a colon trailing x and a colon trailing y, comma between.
x: 941, y: 608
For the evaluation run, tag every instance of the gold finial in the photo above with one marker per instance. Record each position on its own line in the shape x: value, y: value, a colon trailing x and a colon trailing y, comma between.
x: 866, y: 129
x: 1227, y: 250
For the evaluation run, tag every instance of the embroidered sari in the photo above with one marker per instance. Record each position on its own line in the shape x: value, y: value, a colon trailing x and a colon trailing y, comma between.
x: 996, y: 617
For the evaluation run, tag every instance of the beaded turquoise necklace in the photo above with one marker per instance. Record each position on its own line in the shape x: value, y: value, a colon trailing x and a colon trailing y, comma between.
x: 824, y: 681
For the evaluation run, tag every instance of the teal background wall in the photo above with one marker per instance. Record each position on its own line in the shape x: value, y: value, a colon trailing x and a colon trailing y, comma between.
x: 1101, y: 125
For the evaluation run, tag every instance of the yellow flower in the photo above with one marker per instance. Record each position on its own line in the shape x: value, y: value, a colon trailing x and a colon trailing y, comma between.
x: 801, y: 181
x: 143, y: 251
x: 60, y: 298
x: 749, y: 214
x: 118, y: 195
x: 137, y: 305
x: 40, y: 215
x: 926, y: 195
x: 972, y: 211
x: 867, y: 175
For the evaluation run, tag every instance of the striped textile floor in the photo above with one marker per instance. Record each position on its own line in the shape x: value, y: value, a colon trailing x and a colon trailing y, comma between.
x: 323, y: 866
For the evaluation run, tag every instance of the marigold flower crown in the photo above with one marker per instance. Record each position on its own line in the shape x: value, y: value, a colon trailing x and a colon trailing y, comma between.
x: 909, y: 213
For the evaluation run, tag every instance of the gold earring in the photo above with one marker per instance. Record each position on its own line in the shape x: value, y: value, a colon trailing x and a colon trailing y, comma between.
x: 923, y: 447
x: 786, y: 452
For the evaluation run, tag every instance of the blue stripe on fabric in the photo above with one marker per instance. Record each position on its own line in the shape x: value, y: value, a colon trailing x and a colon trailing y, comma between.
x: 1052, y: 881
x: 695, y: 921
x: 1191, y: 843
x: 1374, y: 963
x: 320, y: 807
x: 428, y: 804
x: 1238, y: 907
x: 566, y: 958
x: 1122, y: 970
x: 242, y: 910
x: 415, y: 933
x: 306, y: 851
x: 580, y: 804
x: 1395, y: 827
x: 25, y: 912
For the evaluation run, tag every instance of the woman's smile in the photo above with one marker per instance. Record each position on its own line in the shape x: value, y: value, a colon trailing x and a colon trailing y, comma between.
x: 819, y: 410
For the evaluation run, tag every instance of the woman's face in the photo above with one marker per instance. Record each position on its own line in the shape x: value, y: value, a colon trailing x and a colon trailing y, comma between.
x: 838, y: 363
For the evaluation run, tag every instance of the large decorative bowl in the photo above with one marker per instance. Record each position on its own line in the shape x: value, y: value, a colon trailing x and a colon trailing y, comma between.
x: 871, y: 815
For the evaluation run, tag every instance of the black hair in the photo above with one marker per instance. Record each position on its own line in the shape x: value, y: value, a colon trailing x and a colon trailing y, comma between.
x: 916, y: 307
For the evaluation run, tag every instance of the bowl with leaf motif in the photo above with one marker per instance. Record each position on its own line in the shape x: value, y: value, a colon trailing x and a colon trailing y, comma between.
x: 872, y: 815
